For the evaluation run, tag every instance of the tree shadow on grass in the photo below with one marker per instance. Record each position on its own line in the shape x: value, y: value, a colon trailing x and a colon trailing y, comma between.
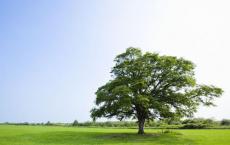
x: 150, y: 138
x: 100, y: 138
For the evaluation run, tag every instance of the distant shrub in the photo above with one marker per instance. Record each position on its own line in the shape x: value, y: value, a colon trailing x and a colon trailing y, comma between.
x: 48, y: 123
x: 225, y: 122
x: 75, y: 123
x: 194, y: 126
x: 23, y: 123
x: 152, y: 123
x: 201, y: 121
x: 192, y: 123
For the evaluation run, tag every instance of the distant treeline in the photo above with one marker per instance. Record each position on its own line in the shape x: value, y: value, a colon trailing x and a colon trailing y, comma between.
x: 194, y: 123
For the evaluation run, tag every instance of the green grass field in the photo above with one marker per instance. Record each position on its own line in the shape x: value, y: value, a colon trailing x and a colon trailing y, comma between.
x: 43, y: 135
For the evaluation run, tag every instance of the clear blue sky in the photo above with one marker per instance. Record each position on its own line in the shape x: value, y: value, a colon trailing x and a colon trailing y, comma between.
x: 54, y: 54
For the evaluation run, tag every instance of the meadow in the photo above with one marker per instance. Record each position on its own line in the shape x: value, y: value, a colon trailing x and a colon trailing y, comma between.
x: 54, y: 135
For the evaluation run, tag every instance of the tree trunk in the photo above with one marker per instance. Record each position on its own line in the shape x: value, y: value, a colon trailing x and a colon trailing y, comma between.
x: 141, y: 123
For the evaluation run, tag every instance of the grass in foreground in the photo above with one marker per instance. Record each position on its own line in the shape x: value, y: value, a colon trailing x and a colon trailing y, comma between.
x: 43, y: 135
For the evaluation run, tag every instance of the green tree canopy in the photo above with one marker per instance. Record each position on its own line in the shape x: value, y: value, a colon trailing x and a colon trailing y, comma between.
x: 149, y: 86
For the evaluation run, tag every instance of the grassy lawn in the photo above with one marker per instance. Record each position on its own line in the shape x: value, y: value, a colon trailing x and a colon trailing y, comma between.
x: 43, y: 135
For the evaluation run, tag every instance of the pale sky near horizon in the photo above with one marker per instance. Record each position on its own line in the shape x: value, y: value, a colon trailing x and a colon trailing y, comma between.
x: 54, y: 54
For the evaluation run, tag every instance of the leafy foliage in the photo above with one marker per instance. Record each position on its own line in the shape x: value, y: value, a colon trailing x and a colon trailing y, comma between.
x: 149, y: 86
x: 75, y: 123
x: 225, y: 122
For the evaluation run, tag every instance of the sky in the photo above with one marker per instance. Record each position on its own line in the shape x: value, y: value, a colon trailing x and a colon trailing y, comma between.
x: 54, y: 54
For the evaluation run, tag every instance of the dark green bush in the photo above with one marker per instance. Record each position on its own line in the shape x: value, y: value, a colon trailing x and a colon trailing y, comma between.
x: 194, y: 126
x: 207, y: 122
x: 48, y: 123
x: 225, y: 122
x: 75, y: 123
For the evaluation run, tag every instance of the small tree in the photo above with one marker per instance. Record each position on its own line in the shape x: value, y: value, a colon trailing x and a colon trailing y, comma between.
x: 149, y: 86
x: 225, y: 122
x: 75, y: 123
x: 48, y: 123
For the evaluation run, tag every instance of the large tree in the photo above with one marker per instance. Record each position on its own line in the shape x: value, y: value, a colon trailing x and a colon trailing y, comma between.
x: 151, y: 86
